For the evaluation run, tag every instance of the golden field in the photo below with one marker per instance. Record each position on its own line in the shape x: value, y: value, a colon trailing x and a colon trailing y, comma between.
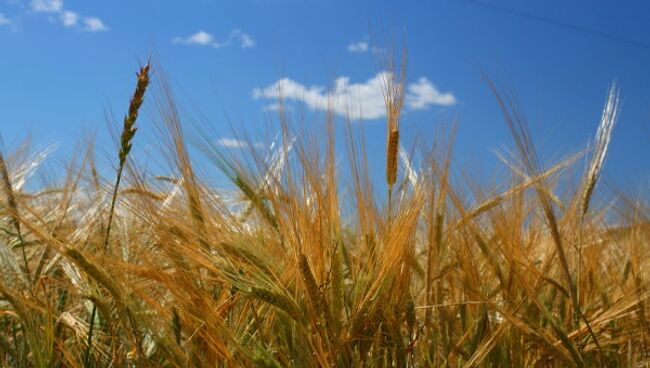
x: 302, y: 266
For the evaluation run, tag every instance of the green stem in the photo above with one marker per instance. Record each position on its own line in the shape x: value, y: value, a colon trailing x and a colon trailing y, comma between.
x: 112, y: 210
x: 90, y: 336
x: 22, y: 247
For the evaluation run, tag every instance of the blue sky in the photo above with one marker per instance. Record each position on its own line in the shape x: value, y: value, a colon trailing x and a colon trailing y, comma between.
x: 64, y: 62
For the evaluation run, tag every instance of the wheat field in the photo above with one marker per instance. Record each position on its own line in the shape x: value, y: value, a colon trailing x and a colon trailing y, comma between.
x: 302, y: 266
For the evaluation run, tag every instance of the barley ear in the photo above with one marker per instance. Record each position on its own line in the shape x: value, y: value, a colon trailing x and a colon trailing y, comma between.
x: 278, y: 300
x: 603, y: 137
x: 129, y: 129
x: 313, y: 291
x: 391, y: 157
x: 13, y: 208
x: 393, y: 92
x: 128, y: 132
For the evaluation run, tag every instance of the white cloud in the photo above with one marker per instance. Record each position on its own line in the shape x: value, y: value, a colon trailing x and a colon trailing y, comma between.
x: 198, y: 38
x: 203, y: 38
x: 245, y: 40
x: 47, y: 6
x: 94, y: 24
x: 356, y: 100
x: 4, y: 20
x: 423, y: 93
x: 236, y: 143
x: 362, y: 46
x: 276, y: 106
x: 69, y: 18
x: 358, y: 47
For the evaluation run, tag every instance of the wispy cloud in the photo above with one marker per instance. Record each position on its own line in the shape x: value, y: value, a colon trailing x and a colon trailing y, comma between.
x: 359, y: 47
x: 94, y: 24
x: 67, y: 17
x: 245, y: 40
x: 276, y: 106
x: 203, y: 38
x: 356, y: 100
x: 47, y: 6
x: 237, y: 143
x: 4, y: 20
x: 199, y: 38
x: 363, y: 46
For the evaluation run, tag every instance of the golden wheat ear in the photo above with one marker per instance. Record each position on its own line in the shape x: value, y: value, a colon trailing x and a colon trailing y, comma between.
x: 392, y: 85
x: 129, y: 129
x: 391, y: 157
x: 126, y: 139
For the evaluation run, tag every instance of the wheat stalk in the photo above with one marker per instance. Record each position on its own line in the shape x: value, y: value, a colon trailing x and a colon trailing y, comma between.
x: 603, y: 137
x: 13, y: 211
x: 394, y: 99
x: 126, y: 141
x: 393, y: 92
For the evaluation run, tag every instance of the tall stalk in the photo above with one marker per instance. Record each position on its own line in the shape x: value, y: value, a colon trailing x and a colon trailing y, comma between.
x: 126, y: 141
x: 393, y: 91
